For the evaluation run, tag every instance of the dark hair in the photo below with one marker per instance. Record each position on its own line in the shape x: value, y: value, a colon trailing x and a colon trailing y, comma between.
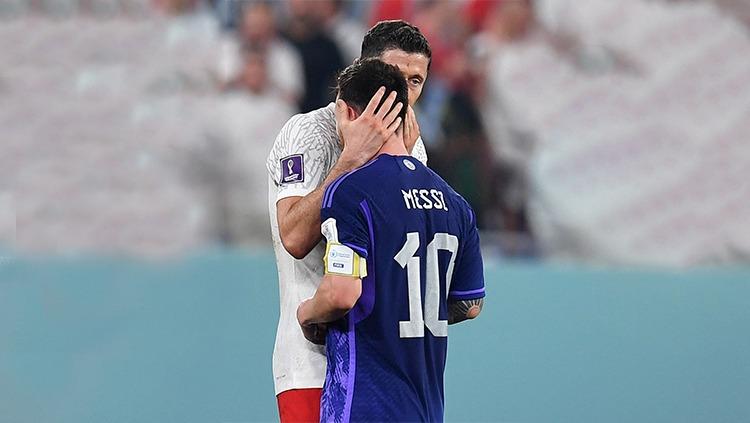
x: 360, y: 81
x: 395, y: 34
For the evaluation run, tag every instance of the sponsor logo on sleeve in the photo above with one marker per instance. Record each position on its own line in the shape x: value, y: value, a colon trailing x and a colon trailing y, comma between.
x: 292, y: 169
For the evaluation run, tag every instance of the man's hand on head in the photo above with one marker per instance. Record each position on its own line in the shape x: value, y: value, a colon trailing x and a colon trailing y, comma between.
x: 363, y: 136
x: 411, y: 130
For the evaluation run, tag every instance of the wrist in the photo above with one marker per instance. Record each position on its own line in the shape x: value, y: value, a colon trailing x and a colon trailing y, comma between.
x: 350, y: 161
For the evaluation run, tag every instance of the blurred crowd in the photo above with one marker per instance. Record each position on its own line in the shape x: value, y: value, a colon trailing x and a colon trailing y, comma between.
x: 164, y: 110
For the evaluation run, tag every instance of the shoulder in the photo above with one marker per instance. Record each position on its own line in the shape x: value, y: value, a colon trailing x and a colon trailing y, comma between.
x: 311, y: 136
x: 354, y: 184
x: 322, y: 121
x: 312, y: 130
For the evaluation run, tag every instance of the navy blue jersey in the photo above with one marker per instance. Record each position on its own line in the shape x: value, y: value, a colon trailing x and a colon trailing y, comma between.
x: 386, y: 357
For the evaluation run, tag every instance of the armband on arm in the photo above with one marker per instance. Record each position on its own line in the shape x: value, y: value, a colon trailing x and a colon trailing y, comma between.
x: 343, y: 261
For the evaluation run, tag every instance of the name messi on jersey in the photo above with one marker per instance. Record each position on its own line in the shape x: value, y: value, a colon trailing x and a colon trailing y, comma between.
x: 424, y: 199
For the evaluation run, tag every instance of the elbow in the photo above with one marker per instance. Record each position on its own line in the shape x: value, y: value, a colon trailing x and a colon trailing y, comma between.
x: 294, y: 245
x: 295, y: 250
x: 473, y: 313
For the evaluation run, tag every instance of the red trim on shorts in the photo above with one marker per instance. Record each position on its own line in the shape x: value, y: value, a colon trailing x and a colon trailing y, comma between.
x: 299, y: 405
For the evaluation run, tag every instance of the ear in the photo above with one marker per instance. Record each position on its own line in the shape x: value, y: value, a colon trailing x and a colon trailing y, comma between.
x: 342, y: 110
x: 351, y: 112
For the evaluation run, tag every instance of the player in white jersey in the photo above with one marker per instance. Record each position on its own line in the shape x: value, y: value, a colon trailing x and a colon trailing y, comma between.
x: 312, y: 150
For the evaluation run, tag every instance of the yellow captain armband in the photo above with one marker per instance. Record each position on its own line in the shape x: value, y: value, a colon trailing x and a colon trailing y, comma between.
x: 342, y: 260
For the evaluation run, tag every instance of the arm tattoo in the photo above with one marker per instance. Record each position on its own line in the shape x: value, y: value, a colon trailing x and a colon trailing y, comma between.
x: 458, y: 311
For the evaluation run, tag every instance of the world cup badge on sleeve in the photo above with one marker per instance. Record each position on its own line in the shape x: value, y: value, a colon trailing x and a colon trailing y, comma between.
x: 292, y: 169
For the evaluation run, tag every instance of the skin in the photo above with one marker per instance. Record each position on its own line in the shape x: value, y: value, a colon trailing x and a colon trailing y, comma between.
x: 338, y: 294
x: 362, y: 136
x: 414, y: 68
x: 299, y: 217
x: 335, y: 296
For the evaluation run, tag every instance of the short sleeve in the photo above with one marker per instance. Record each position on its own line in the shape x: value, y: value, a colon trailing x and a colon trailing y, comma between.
x: 468, y: 276
x: 344, y: 216
x: 299, y: 159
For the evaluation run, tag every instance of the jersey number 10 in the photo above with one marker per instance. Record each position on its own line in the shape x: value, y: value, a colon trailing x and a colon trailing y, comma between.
x: 414, y: 327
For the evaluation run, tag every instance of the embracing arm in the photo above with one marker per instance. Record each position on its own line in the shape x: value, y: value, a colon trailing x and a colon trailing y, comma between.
x: 299, y: 217
x: 460, y: 310
x: 335, y: 296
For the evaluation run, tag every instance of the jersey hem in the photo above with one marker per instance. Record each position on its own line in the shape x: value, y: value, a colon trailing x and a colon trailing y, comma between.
x: 466, y: 296
x: 293, y: 192
x: 300, y: 384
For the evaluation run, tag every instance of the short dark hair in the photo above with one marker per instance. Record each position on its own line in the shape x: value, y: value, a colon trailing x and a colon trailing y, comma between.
x: 360, y: 81
x: 395, y: 34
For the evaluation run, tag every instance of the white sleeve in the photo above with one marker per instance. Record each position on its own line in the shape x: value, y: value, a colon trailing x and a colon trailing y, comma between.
x: 419, y: 152
x: 299, y: 159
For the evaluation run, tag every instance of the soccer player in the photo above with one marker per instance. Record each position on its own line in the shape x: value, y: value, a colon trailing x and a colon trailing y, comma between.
x: 312, y: 150
x: 402, y: 263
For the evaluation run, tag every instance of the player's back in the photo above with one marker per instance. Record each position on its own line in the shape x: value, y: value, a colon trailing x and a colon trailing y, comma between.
x: 387, y: 356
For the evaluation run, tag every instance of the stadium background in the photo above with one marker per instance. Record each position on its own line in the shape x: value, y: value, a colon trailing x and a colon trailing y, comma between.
x: 604, y: 145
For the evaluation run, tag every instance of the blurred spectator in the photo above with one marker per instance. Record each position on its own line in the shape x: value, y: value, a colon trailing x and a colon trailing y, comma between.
x: 737, y: 8
x: 508, y: 31
x: 346, y: 32
x: 258, y: 29
x: 383, y: 10
x: 175, y: 7
x: 513, y: 83
x: 505, y: 26
x: 444, y: 24
x: 321, y: 57
x: 449, y: 119
x: 232, y: 172
x: 190, y: 47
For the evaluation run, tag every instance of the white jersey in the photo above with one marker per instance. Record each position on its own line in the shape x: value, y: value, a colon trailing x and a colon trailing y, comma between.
x: 301, y: 158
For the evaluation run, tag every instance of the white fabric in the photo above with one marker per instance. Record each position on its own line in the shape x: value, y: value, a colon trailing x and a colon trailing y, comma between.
x: 297, y: 363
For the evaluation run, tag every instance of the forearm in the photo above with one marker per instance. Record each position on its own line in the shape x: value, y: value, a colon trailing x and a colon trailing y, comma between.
x: 458, y: 311
x: 320, y: 309
x: 299, y: 226
x: 329, y: 303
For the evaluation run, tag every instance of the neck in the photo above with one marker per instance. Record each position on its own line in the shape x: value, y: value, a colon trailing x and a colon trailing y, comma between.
x: 394, y: 146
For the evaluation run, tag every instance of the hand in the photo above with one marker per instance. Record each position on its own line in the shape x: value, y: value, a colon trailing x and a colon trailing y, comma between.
x: 314, y: 332
x: 363, y: 136
x: 411, y: 130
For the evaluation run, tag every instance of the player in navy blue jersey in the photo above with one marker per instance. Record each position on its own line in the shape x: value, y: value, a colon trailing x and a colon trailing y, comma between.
x: 402, y: 262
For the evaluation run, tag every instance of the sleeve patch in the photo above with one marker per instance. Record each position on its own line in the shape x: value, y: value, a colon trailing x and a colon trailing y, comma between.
x: 292, y: 169
x: 342, y: 260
